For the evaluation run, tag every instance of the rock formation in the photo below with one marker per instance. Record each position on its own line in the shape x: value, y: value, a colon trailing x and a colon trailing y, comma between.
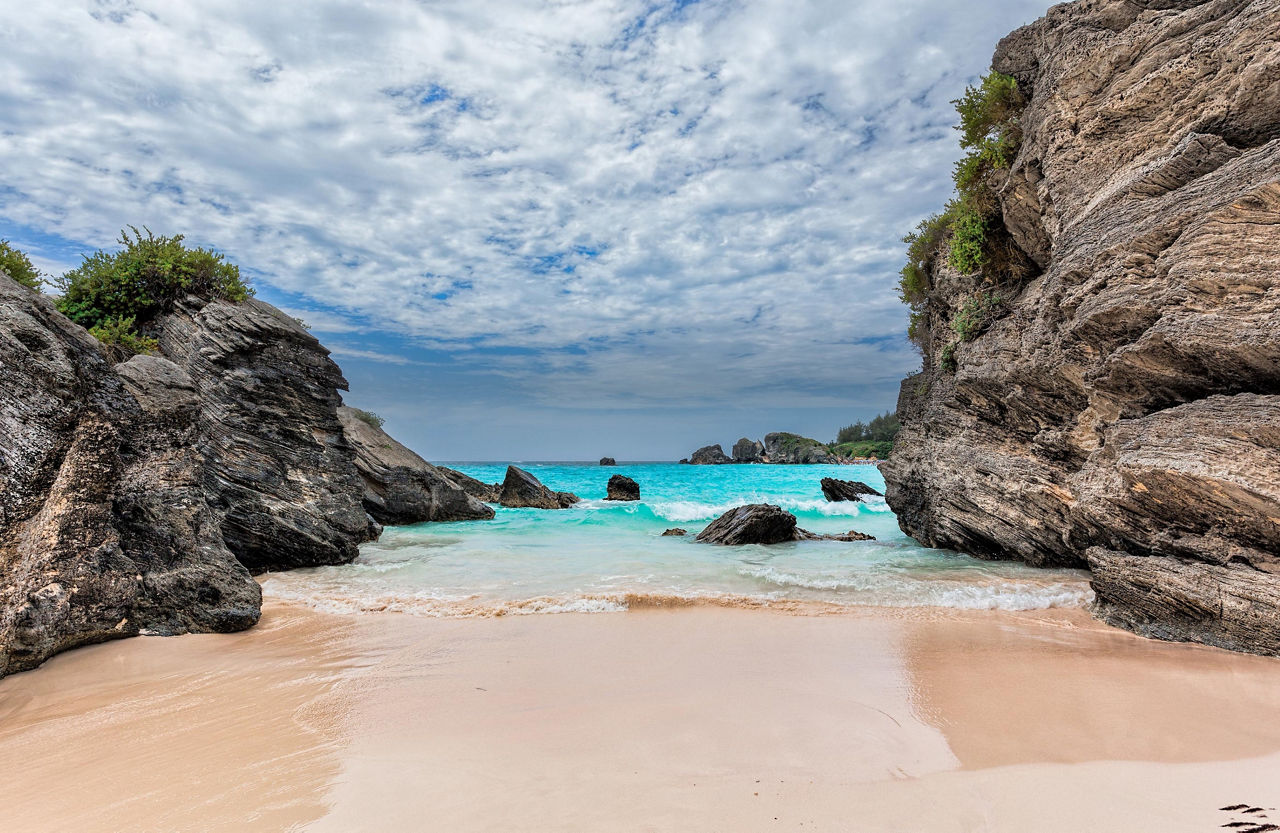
x: 487, y: 492
x: 521, y: 489
x: 763, y: 523
x: 782, y: 447
x: 676, y: 532
x: 837, y: 490
x: 104, y: 526
x: 748, y: 451
x: 608, y: 461
x: 622, y: 487
x: 709, y: 455
x: 399, y: 486
x: 1124, y: 413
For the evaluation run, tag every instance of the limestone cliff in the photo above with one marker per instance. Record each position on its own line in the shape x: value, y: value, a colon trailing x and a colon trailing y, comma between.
x: 1124, y: 412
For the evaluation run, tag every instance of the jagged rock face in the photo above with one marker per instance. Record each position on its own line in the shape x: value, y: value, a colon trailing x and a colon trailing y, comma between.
x: 521, y: 489
x: 487, y: 492
x: 748, y: 451
x: 622, y: 487
x: 781, y: 447
x: 1125, y: 415
x: 280, y: 472
x: 838, y: 490
x: 757, y: 523
x: 400, y: 487
x: 104, y: 530
x: 608, y: 461
x: 709, y: 455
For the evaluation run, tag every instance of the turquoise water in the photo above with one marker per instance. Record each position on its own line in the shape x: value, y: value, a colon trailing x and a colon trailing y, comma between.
x: 602, y: 556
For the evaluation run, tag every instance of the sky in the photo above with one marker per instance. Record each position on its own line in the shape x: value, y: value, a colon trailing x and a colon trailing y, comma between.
x: 526, y: 229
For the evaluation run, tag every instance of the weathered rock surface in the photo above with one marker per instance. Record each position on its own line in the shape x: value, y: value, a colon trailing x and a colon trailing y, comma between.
x: 748, y: 451
x: 279, y: 472
x: 622, y: 487
x: 838, y: 490
x: 608, y: 461
x: 1125, y: 414
x: 677, y: 532
x: 709, y: 455
x: 399, y: 486
x: 762, y: 523
x: 521, y: 489
x: 487, y: 492
x: 104, y: 529
x: 793, y: 449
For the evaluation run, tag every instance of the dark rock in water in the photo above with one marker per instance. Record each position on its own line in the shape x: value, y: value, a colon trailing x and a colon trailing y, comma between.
x: 622, y: 487
x: 757, y: 523
x: 748, y: 451
x: 1120, y: 408
x: 279, y: 470
x: 783, y: 447
x: 521, y: 489
x: 399, y: 486
x: 676, y: 531
x: 608, y: 461
x: 838, y: 490
x: 684, y: 461
x: 104, y: 526
x: 708, y: 456
x: 487, y: 492
x: 851, y: 535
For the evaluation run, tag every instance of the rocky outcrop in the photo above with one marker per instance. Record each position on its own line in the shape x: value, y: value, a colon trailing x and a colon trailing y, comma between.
x: 709, y: 455
x: 487, y: 492
x: 838, y: 490
x: 608, y: 461
x: 399, y: 486
x: 279, y: 471
x: 763, y: 523
x: 521, y: 489
x: 1124, y: 413
x: 676, y: 532
x: 782, y: 447
x: 748, y: 451
x: 104, y: 527
x: 622, y: 487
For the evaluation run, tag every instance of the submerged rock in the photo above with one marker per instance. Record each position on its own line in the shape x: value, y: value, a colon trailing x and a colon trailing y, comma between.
x: 622, y: 487
x: 487, y: 492
x: 105, y: 529
x: 608, y: 461
x: 676, y: 531
x: 521, y: 489
x: 838, y: 490
x: 748, y: 451
x: 1123, y: 414
x: 709, y: 455
x: 399, y: 486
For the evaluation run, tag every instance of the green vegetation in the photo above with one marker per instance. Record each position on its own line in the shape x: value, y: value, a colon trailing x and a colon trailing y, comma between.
x: 978, y: 310
x: 142, y: 280
x: 795, y: 442
x: 949, y: 363
x: 18, y: 266
x: 865, y: 448
x: 120, y: 332
x: 369, y: 418
x: 882, y: 428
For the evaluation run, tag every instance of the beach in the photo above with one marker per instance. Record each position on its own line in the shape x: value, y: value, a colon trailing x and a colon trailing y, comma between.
x: 702, y: 717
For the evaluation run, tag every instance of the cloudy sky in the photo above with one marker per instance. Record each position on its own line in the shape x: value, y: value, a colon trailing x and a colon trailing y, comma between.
x: 527, y: 229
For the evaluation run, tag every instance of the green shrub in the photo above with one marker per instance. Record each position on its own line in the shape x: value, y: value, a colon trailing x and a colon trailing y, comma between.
x: 369, y: 418
x: 16, y: 263
x: 864, y: 448
x: 989, y: 112
x: 882, y: 428
x: 120, y: 332
x: 976, y: 313
x: 967, y: 250
x: 948, y: 362
x: 145, y: 278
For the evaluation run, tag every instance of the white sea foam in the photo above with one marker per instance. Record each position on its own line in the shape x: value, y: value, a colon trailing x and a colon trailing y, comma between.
x: 688, y: 510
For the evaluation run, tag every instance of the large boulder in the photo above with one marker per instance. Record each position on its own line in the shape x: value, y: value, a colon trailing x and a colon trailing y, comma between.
x: 399, y: 486
x: 748, y: 451
x: 757, y: 523
x: 279, y: 470
x: 104, y: 527
x: 1124, y: 414
x: 622, y: 487
x: 521, y: 489
x: 709, y: 455
x: 608, y: 461
x: 487, y: 492
x: 838, y: 490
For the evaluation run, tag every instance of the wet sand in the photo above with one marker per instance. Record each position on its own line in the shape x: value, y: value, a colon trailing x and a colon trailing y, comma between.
x: 687, y: 719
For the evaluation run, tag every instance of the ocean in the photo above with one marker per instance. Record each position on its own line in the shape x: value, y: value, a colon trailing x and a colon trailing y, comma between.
x: 606, y: 557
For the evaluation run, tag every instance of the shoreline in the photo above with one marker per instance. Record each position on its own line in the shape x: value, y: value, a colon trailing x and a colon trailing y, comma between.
x: 662, y: 719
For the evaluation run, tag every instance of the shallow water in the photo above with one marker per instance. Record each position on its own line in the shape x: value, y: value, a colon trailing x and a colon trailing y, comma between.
x: 602, y: 556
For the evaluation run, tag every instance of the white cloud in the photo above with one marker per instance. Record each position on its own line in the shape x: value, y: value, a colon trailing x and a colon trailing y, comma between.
x: 718, y: 188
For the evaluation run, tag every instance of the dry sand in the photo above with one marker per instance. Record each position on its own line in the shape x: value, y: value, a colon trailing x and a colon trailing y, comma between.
x: 692, y: 719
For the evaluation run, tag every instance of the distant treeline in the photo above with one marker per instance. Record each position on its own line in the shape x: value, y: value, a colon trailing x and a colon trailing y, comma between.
x: 868, y: 439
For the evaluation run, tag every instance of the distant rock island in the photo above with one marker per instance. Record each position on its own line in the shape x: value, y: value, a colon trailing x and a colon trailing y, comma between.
x: 778, y: 448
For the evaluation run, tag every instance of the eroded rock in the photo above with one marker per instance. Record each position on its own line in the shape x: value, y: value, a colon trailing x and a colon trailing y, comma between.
x: 838, y: 490
x: 521, y: 489
x: 622, y: 487
x: 709, y: 455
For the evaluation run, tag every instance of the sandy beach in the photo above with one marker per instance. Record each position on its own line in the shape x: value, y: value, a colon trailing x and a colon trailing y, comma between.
x: 688, y: 719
